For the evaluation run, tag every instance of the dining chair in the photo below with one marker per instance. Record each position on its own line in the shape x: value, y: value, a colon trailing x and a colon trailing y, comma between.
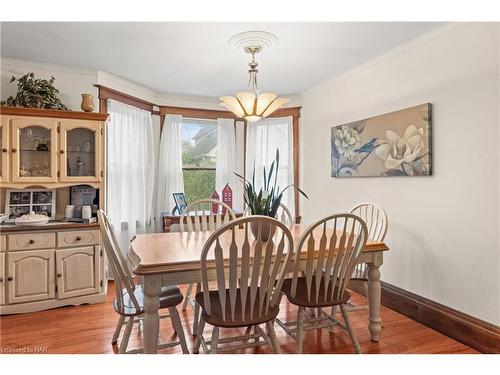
x: 199, y: 217
x: 377, y: 223
x: 331, y: 247
x: 129, y: 299
x: 283, y: 214
x: 249, y: 270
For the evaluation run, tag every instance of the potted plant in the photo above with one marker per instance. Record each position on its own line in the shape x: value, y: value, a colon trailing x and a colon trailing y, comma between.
x: 267, y: 200
x: 35, y: 93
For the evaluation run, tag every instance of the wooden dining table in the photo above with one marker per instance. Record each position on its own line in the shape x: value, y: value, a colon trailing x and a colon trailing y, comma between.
x: 165, y: 259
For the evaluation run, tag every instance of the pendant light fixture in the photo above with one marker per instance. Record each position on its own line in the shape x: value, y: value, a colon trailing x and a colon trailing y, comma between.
x: 251, y: 104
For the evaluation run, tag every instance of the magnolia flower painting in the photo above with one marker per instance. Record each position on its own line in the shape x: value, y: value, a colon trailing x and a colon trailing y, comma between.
x: 393, y: 144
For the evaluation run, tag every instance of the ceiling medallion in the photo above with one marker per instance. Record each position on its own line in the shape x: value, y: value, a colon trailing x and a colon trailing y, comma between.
x: 251, y: 104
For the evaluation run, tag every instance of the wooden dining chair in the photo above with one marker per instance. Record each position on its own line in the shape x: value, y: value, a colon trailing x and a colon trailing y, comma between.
x: 284, y: 215
x: 129, y: 299
x: 377, y: 223
x: 330, y: 249
x: 249, y: 274
x: 199, y: 217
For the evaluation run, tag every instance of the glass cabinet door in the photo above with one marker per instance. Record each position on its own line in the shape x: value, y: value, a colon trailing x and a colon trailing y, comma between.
x: 34, y: 145
x: 4, y: 152
x: 80, y: 151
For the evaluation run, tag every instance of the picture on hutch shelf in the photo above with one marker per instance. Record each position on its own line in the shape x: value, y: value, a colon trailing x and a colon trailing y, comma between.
x: 21, y: 202
x: 83, y: 195
x: 180, y: 203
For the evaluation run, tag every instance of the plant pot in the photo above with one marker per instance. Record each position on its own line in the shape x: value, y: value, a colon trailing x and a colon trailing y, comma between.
x: 266, y: 231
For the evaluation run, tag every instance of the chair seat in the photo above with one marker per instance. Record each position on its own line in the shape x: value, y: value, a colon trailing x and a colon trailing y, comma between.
x: 301, y: 297
x: 240, y: 319
x: 170, y: 296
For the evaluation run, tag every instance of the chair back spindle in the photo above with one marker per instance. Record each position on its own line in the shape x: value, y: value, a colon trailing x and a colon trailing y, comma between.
x: 375, y: 218
x: 198, y: 216
x: 249, y: 271
x: 376, y: 222
x: 338, y: 241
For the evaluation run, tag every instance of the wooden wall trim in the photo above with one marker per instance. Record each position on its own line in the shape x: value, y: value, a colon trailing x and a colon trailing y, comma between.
x: 284, y: 112
x: 296, y: 174
x: 210, y: 114
x: 213, y: 114
x: 106, y: 93
x: 471, y: 331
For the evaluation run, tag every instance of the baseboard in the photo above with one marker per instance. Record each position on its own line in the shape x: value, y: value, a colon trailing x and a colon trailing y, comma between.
x: 471, y: 331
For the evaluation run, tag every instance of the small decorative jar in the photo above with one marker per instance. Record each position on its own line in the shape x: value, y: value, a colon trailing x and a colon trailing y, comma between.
x: 86, y: 212
x: 87, y: 102
x: 70, y: 211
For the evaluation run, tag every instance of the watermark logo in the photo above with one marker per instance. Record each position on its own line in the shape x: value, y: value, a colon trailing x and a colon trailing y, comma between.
x: 24, y: 350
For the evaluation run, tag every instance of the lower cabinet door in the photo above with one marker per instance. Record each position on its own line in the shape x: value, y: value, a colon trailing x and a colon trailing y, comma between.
x: 77, y: 271
x: 30, y: 276
x: 2, y: 279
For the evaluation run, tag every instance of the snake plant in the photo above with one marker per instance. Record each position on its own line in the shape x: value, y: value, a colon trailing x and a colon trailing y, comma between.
x: 267, y: 200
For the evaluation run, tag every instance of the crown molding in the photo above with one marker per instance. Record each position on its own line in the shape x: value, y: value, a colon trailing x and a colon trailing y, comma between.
x: 6, y: 63
x: 125, y: 86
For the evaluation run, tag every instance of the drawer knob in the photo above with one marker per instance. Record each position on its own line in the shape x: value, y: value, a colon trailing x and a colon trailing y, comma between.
x: 31, y: 242
x: 4, y: 150
x: 61, y: 151
x: 59, y: 275
x: 78, y: 238
x: 1, y: 279
x: 14, y: 150
x: 9, y: 278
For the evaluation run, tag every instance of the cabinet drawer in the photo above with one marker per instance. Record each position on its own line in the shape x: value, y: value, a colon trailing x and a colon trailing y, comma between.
x: 31, y: 241
x: 77, y: 238
x: 3, y: 243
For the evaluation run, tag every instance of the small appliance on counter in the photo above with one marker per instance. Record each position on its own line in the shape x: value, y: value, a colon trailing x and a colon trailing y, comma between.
x: 84, y: 205
x: 86, y: 215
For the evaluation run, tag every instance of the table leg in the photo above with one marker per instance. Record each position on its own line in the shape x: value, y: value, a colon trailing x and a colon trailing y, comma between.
x: 152, y: 285
x: 374, y: 325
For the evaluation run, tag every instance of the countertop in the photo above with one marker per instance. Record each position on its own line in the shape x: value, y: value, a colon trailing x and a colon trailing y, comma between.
x: 51, y: 225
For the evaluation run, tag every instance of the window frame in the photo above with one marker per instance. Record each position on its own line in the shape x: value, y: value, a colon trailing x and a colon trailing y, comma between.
x: 211, y: 114
x: 191, y: 168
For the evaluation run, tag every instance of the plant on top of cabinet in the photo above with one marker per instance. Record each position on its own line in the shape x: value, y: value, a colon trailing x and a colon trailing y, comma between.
x: 35, y: 93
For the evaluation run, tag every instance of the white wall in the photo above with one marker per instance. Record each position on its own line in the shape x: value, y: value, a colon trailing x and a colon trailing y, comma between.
x: 71, y: 82
x: 444, y: 229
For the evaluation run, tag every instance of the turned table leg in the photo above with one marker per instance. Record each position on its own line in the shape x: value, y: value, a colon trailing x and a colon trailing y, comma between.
x: 152, y: 284
x: 374, y: 325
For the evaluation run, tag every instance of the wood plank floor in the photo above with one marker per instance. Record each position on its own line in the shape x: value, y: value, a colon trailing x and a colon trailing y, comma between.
x: 88, y: 329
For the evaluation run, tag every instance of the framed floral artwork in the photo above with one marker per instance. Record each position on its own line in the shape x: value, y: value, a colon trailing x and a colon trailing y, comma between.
x: 393, y: 144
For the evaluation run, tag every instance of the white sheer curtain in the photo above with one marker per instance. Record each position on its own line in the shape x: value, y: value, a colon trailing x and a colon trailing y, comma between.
x: 263, y: 139
x: 130, y: 169
x: 170, y: 178
x: 226, y: 161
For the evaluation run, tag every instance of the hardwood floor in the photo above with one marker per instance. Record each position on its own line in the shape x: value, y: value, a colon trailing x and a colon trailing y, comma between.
x: 88, y: 329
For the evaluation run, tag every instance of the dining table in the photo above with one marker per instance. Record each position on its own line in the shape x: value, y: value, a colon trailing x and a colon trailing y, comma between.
x: 169, y: 259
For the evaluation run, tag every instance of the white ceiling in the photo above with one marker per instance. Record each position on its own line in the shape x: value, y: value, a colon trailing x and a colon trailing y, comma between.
x: 194, y: 58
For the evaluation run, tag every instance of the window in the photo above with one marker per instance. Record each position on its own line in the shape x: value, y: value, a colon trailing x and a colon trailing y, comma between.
x: 199, y: 150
